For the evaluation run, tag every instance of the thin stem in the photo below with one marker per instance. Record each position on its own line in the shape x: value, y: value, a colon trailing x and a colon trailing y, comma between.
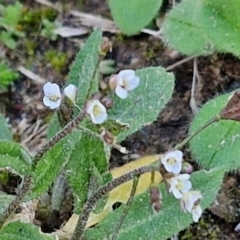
x: 171, y: 67
x: 92, y: 201
x: 127, y: 207
x: 59, y: 136
x: 186, y: 140
x: 15, y: 202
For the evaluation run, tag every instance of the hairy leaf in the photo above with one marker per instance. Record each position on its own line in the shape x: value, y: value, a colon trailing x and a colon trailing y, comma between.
x: 5, y: 199
x: 5, y: 133
x: 82, y: 72
x: 23, y: 231
x: 144, y: 103
x: 52, y: 163
x: 15, y: 156
x: 218, y: 144
x: 88, y: 160
x: 142, y: 223
x: 132, y: 16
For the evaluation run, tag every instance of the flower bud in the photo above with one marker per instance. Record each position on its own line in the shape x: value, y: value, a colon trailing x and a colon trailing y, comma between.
x: 107, y: 102
x: 107, y: 136
x: 97, y: 96
x: 155, y: 198
x: 106, y: 46
x: 187, y: 167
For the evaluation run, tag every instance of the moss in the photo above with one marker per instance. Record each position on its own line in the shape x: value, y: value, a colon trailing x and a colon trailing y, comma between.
x: 32, y: 18
x: 58, y: 60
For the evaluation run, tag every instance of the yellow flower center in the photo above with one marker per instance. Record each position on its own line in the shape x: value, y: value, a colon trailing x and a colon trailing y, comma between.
x: 54, y: 98
x: 96, y: 110
x: 179, y: 185
x: 171, y: 161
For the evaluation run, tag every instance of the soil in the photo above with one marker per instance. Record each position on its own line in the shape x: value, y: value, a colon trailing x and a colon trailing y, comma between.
x: 22, y: 106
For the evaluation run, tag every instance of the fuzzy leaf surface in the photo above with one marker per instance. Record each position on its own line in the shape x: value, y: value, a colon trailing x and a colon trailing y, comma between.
x: 23, y: 231
x: 83, y: 69
x: 52, y: 163
x: 199, y: 27
x: 88, y: 160
x: 142, y: 223
x: 132, y: 16
x: 5, y: 133
x: 218, y: 144
x: 15, y: 156
x: 144, y: 103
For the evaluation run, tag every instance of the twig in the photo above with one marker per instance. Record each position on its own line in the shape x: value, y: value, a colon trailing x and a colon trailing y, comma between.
x: 171, y: 67
x: 92, y: 201
x: 126, y: 209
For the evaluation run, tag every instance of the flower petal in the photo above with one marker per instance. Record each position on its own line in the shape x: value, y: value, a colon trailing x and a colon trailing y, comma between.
x: 70, y: 91
x: 100, y: 118
x: 176, y: 193
x: 186, y: 186
x: 100, y: 115
x: 128, y: 73
x: 121, y: 92
x: 132, y: 83
x: 196, y: 213
x: 176, y: 168
x: 47, y: 88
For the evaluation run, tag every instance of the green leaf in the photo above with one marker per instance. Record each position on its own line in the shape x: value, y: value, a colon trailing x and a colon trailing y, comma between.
x: 145, y: 102
x: 7, y: 75
x: 15, y: 156
x: 5, y: 199
x: 142, y: 223
x: 52, y: 163
x: 5, y: 133
x: 23, y: 231
x: 83, y: 69
x: 218, y: 144
x: 88, y: 161
x: 199, y: 27
x: 223, y: 25
x: 183, y: 29
x: 132, y: 16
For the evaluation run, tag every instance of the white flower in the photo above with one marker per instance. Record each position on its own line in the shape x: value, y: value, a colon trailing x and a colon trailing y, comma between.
x: 52, y: 98
x: 123, y: 82
x: 70, y: 91
x: 97, y: 111
x: 179, y: 184
x: 172, y: 161
x: 190, y: 202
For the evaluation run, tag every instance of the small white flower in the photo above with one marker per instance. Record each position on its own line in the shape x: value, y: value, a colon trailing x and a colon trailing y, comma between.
x: 123, y: 82
x: 52, y: 98
x: 172, y: 161
x: 190, y: 202
x: 70, y: 91
x: 97, y: 111
x: 179, y: 184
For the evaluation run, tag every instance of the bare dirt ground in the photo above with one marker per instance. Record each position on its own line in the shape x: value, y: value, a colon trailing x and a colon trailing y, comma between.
x: 22, y: 104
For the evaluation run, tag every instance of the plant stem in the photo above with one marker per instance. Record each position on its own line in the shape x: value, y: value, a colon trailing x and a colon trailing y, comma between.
x: 59, y: 136
x: 127, y: 207
x: 186, y: 140
x: 92, y: 201
x: 26, y: 183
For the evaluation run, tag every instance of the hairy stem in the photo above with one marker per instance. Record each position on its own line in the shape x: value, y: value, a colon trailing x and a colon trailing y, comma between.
x: 59, y: 136
x: 26, y: 183
x: 127, y: 207
x: 92, y: 201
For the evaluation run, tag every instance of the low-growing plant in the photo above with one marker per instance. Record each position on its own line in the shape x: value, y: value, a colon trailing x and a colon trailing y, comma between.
x: 89, y: 121
x: 7, y: 75
x: 10, y: 17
